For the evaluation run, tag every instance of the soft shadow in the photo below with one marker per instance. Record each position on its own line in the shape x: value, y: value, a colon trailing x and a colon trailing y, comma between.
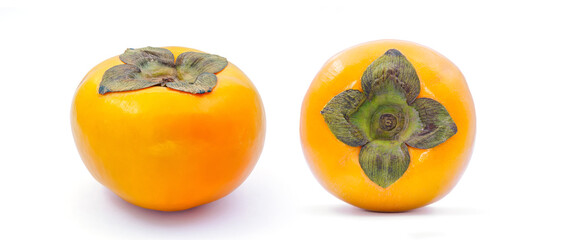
x: 100, y: 211
x: 424, y: 211
x: 220, y: 210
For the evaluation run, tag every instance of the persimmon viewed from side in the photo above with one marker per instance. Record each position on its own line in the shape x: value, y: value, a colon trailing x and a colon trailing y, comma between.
x: 168, y: 128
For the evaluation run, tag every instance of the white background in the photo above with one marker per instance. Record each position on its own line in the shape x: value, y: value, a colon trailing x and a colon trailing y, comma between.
x: 508, y: 51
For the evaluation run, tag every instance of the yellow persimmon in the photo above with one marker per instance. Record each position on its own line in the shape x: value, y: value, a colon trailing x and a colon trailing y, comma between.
x: 388, y: 125
x: 166, y: 135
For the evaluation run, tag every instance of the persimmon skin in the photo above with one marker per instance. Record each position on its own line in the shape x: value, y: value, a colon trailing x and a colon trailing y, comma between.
x: 168, y: 150
x: 432, y: 173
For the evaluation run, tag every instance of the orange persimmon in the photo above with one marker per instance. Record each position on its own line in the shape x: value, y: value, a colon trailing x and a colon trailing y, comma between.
x: 166, y: 135
x: 388, y: 125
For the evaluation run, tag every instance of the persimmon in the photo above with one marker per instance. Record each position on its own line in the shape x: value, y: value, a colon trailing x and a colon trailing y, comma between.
x: 388, y: 125
x: 168, y: 128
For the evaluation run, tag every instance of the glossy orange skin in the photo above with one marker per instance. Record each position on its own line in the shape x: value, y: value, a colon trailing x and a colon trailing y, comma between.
x: 168, y: 150
x: 432, y: 173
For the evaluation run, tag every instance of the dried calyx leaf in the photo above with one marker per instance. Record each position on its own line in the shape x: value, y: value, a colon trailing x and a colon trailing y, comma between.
x: 386, y: 116
x: 437, y: 124
x: 196, y: 72
x: 193, y: 72
x: 337, y: 112
x: 203, y: 83
x: 191, y: 64
x: 124, y: 78
x: 393, y: 69
x: 142, y: 56
x: 384, y: 162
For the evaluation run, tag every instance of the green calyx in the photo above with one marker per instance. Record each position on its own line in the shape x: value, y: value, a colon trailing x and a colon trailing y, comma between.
x: 386, y: 116
x: 192, y: 72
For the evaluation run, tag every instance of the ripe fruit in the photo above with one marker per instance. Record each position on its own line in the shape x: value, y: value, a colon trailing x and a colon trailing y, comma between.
x: 388, y: 125
x: 168, y: 134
